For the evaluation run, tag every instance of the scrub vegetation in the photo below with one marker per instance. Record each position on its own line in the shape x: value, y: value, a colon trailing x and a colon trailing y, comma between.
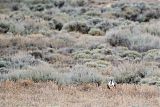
x: 66, y: 51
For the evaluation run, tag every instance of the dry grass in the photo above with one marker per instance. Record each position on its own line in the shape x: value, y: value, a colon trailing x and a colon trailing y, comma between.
x: 48, y: 95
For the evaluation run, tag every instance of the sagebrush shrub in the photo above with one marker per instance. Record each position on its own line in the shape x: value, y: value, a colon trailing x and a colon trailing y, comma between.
x: 16, y: 6
x: 61, y: 42
x: 104, y: 25
x: 55, y: 24
x: 81, y: 27
x: 141, y: 12
x: 133, y: 39
x: 83, y: 74
x: 21, y: 60
x: 93, y: 13
x: 95, y: 32
x: 4, y: 27
x: 152, y: 55
x: 77, y: 75
x: 77, y: 2
x: 129, y: 72
x: 119, y: 38
x: 59, y: 3
x: 152, y: 28
x: 38, y: 7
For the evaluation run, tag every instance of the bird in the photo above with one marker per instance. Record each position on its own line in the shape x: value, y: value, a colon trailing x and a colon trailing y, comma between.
x: 111, y: 84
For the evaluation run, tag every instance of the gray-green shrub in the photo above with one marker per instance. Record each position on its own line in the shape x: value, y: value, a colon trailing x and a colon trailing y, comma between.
x: 138, y: 11
x: 55, y: 24
x: 77, y: 2
x: 83, y: 74
x: 78, y: 26
x: 4, y: 27
x: 59, y: 3
x: 77, y: 75
x: 133, y: 39
x: 129, y: 72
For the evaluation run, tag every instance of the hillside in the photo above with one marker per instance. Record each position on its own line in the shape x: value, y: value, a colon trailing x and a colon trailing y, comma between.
x: 54, y: 52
